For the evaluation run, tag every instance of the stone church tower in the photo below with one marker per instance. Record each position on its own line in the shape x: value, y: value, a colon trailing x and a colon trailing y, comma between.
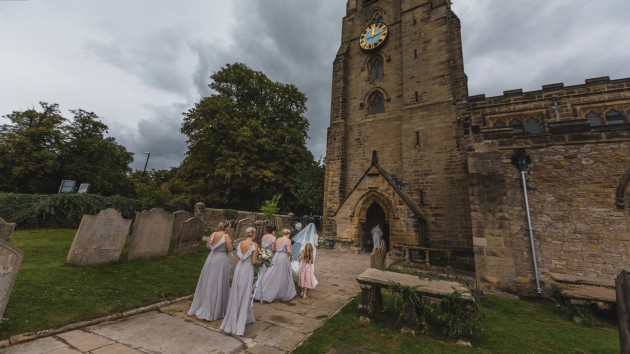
x: 394, y: 150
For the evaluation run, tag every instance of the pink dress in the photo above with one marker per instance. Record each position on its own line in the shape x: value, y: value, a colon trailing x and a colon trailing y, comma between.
x: 307, y: 276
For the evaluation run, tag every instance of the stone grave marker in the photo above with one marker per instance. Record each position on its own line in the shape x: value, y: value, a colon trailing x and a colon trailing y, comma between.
x: 178, y: 218
x: 151, y: 235
x: 6, y: 229
x: 241, y: 226
x: 190, y: 236
x: 10, y: 261
x: 99, y: 239
x: 230, y: 232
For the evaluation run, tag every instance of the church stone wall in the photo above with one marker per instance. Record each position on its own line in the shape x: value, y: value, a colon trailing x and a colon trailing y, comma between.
x: 573, y: 185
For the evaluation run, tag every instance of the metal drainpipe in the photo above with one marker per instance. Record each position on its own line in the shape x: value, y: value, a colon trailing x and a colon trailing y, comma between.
x: 521, y: 161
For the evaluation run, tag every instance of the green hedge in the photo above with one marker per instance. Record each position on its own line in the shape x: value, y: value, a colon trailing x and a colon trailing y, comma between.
x: 60, y: 210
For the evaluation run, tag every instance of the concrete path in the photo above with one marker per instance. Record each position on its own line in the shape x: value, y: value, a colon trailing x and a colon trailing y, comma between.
x: 279, y: 326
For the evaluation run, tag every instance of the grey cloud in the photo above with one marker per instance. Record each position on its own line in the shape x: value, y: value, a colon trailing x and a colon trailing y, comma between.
x: 152, y: 57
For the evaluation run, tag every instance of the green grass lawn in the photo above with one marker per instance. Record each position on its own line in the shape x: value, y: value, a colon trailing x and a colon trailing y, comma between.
x: 509, y: 326
x: 49, y: 293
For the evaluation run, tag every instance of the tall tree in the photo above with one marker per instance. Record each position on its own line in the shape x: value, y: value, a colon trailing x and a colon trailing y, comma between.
x: 245, y: 141
x: 39, y: 148
x: 89, y: 155
x: 29, y: 148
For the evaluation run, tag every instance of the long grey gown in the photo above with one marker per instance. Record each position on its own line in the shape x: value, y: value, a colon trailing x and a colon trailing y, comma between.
x: 213, y: 288
x: 239, y: 310
x: 278, y: 281
x: 266, y: 244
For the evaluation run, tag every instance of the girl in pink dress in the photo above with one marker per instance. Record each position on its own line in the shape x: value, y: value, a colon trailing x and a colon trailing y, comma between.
x: 307, y: 271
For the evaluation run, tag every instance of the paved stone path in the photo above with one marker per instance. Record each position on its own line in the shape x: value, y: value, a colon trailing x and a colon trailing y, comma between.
x: 279, y: 327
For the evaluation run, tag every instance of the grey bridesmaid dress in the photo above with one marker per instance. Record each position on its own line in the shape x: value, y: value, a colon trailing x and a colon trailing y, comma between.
x: 266, y: 244
x: 239, y: 310
x: 278, y: 280
x: 213, y: 288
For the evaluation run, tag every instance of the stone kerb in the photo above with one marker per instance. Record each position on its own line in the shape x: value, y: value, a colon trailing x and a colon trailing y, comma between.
x: 6, y: 229
x: 10, y: 262
x: 178, y: 218
x: 241, y: 226
x: 99, y: 239
x: 151, y: 234
x: 190, y: 236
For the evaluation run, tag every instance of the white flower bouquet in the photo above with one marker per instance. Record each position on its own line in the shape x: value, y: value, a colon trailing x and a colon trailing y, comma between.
x: 264, y: 257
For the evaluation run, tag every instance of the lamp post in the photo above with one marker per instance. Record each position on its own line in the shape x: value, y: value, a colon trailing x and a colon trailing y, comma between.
x: 146, y: 163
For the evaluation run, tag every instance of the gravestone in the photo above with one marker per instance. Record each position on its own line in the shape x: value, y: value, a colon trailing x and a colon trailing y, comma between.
x: 622, y: 285
x: 178, y: 218
x: 190, y: 236
x: 10, y: 261
x: 241, y: 226
x: 230, y: 232
x: 99, y: 239
x: 377, y: 258
x: 6, y: 229
x: 151, y: 235
x: 234, y: 257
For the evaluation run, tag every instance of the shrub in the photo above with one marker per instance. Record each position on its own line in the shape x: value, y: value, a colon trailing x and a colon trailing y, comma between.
x: 59, y: 210
x: 230, y: 214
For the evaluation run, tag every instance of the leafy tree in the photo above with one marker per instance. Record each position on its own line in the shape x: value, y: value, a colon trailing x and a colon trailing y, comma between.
x: 153, y: 189
x: 39, y: 148
x: 309, y: 193
x: 29, y: 148
x: 270, y: 207
x: 90, y: 156
x: 245, y: 142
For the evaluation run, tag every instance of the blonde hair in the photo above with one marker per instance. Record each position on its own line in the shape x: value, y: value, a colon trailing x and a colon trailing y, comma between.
x: 286, y: 232
x: 307, y: 256
x: 223, y: 224
x: 250, y: 232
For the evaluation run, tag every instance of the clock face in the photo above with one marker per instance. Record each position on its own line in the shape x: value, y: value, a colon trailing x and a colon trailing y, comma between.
x: 373, y: 36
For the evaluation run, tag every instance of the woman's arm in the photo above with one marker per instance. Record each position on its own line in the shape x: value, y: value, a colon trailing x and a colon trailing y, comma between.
x: 210, y: 238
x: 228, y: 243
x: 255, y: 260
x: 273, y: 246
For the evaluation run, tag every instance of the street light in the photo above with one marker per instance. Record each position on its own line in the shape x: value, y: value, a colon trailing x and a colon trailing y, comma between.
x: 146, y: 163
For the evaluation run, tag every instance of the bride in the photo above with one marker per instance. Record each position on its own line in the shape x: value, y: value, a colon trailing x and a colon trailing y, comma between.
x: 307, y: 235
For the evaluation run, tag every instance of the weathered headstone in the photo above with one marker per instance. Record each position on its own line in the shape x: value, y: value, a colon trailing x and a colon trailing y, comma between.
x: 230, y: 232
x: 151, y: 234
x: 234, y: 256
x: 241, y: 226
x: 99, y: 239
x: 622, y: 284
x: 377, y: 258
x: 190, y: 236
x: 10, y: 261
x: 178, y: 218
x: 6, y: 229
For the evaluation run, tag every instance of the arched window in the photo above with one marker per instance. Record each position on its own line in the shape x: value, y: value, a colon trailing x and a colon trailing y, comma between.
x: 377, y: 17
x: 499, y: 124
x: 614, y: 117
x: 376, y: 68
x: 532, y: 125
x: 376, y: 103
x: 594, y: 119
x: 517, y: 126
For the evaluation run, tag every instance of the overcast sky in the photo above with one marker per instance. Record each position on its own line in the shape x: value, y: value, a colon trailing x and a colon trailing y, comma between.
x: 139, y: 64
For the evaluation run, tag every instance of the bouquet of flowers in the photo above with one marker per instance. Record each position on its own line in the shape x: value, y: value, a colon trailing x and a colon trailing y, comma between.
x: 264, y: 257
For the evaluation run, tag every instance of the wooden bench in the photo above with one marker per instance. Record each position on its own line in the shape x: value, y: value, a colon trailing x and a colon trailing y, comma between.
x: 372, y: 280
x: 406, y: 252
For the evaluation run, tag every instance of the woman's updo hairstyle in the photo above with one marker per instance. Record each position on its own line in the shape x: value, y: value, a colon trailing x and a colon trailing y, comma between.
x: 223, y: 224
x: 250, y: 232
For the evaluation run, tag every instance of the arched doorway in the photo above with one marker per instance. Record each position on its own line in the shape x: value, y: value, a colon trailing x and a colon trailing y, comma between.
x: 375, y: 215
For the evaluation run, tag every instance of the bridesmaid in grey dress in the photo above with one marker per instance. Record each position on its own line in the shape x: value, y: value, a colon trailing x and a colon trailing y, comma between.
x: 278, y: 279
x: 239, y: 311
x: 267, y: 242
x: 213, y: 288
